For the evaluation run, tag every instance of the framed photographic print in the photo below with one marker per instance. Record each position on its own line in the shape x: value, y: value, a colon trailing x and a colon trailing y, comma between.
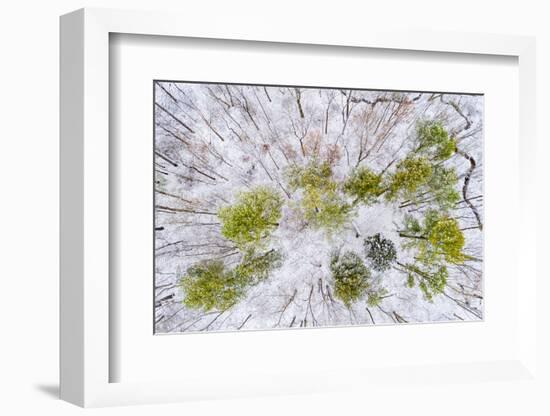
x: 283, y: 213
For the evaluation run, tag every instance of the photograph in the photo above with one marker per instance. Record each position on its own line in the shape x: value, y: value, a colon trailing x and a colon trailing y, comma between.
x: 298, y: 207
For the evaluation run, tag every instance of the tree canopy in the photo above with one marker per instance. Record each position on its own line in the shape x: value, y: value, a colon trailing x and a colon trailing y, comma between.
x: 432, y: 279
x: 438, y: 238
x: 434, y: 141
x: 321, y: 204
x: 380, y: 252
x: 363, y: 185
x: 410, y: 174
x: 208, y: 285
x: 442, y: 186
x: 255, y: 267
x: 252, y: 217
x: 350, y: 277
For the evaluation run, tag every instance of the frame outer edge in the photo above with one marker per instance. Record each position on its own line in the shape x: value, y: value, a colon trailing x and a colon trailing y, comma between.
x: 71, y: 359
x: 527, y: 265
x: 84, y: 299
x: 95, y: 183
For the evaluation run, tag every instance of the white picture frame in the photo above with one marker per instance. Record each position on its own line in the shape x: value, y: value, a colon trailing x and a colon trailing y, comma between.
x: 85, y: 264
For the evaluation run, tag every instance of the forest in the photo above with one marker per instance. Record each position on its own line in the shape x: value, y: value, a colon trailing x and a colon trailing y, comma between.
x: 300, y: 207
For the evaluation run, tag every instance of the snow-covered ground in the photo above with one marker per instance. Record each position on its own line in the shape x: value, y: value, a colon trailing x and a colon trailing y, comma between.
x: 214, y: 141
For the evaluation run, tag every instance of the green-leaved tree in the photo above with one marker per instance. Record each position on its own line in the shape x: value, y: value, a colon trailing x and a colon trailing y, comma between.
x: 350, y: 277
x: 209, y: 286
x: 438, y: 238
x: 410, y: 175
x: 438, y: 241
x: 255, y: 214
x: 363, y: 185
x: 431, y: 278
x: 255, y: 267
x: 442, y: 186
x: 321, y: 204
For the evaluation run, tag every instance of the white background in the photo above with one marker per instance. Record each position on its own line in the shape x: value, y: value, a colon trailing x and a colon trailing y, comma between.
x: 29, y: 167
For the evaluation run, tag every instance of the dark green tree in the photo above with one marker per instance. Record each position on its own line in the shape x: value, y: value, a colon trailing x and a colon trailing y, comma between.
x: 380, y: 252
